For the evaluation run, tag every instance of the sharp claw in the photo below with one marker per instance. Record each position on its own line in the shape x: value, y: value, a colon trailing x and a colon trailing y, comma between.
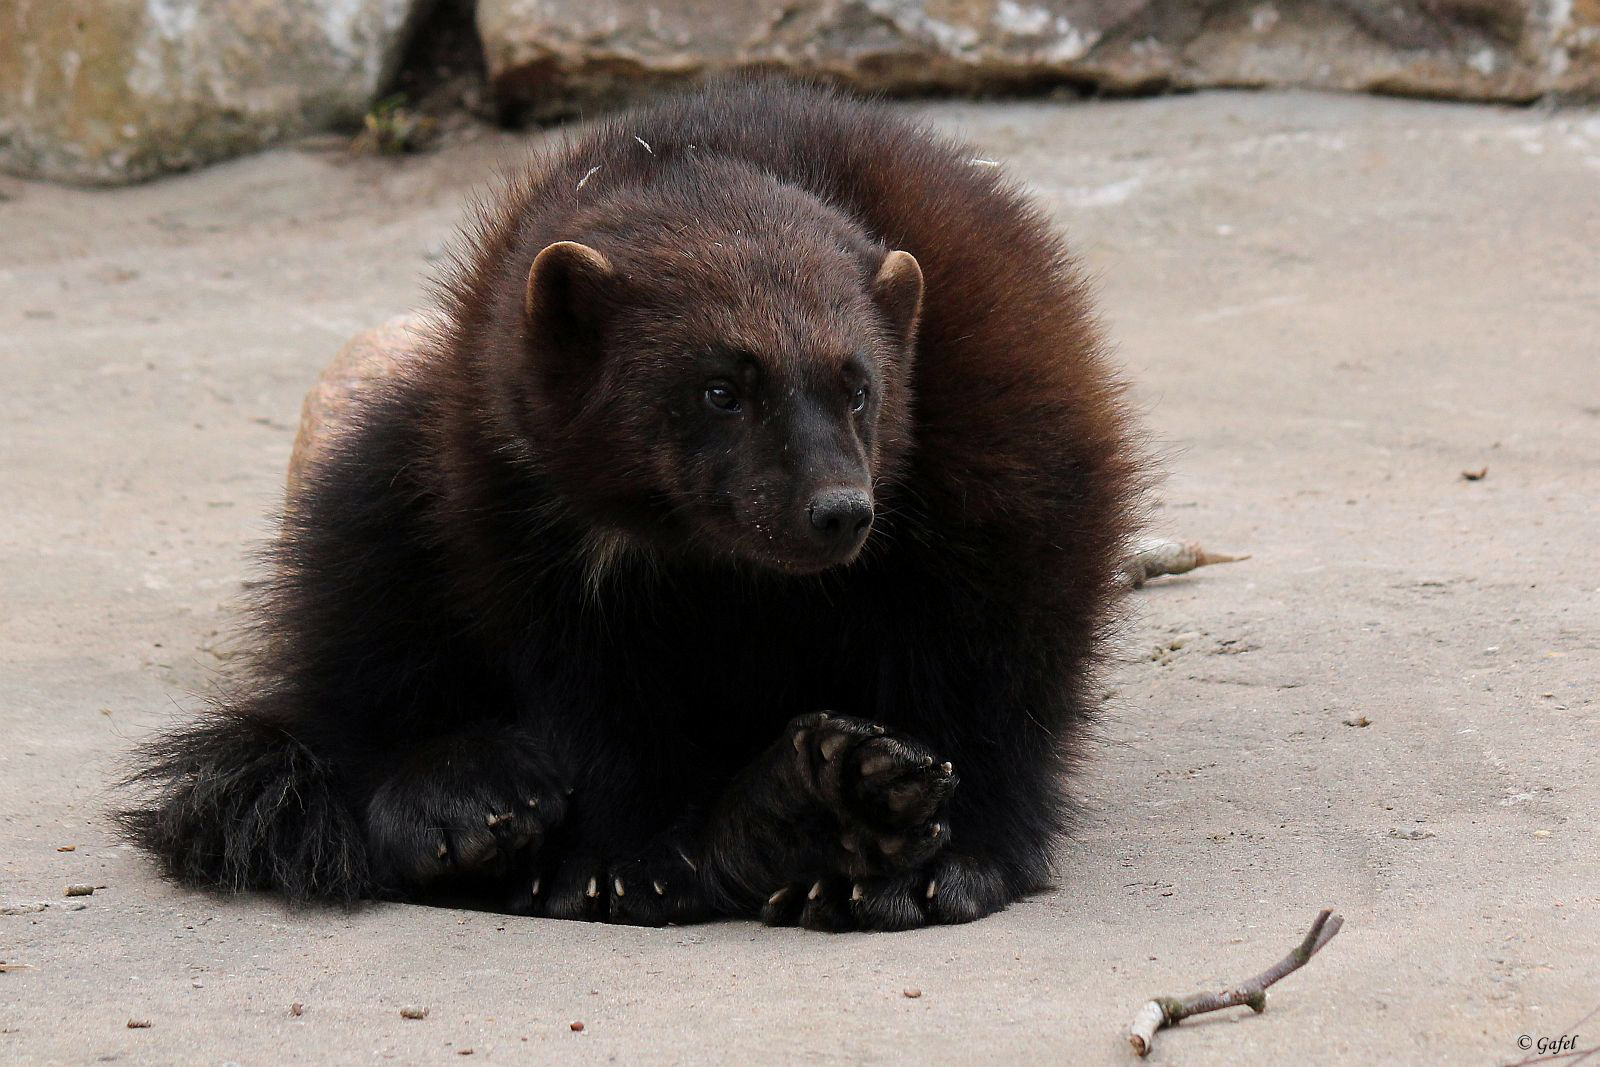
x: 660, y: 889
x: 947, y: 767
x: 493, y: 820
x: 773, y: 900
x: 535, y: 891
x: 593, y: 889
x: 616, y: 883
x: 816, y: 891
x: 856, y: 892
x: 933, y: 887
x: 685, y: 857
x: 935, y: 830
x: 444, y: 851
x: 877, y: 730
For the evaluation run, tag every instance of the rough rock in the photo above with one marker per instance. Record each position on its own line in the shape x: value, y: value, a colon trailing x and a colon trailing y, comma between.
x: 108, y: 91
x: 550, y: 57
x: 371, y: 355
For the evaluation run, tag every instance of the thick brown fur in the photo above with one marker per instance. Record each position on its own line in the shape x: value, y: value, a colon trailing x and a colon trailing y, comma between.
x: 530, y: 639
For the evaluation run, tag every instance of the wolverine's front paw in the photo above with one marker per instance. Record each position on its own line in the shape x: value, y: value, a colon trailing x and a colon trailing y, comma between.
x: 461, y: 806
x: 951, y: 889
x: 659, y: 887
x: 887, y: 791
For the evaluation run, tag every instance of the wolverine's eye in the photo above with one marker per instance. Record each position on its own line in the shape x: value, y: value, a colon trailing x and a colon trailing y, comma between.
x: 858, y: 399
x: 721, y: 396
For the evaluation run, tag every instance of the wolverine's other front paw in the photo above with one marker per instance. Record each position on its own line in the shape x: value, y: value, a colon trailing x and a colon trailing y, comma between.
x: 951, y: 889
x: 461, y: 806
x: 659, y: 887
x: 888, y: 791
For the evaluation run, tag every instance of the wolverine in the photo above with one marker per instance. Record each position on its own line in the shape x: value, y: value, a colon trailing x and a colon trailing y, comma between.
x: 740, y: 544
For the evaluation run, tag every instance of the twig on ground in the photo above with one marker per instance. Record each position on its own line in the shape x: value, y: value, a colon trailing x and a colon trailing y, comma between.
x: 1153, y: 557
x: 1162, y: 1012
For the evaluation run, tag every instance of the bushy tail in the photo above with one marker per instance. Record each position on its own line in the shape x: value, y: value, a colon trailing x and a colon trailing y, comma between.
x: 232, y: 803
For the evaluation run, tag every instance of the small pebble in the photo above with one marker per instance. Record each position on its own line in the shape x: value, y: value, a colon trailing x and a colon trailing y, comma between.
x: 463, y: 1052
x: 67, y: 848
x: 1360, y: 720
x: 411, y: 1011
x: 297, y: 1009
x: 1541, y: 833
x: 911, y: 994
x: 80, y: 889
x: 138, y: 1024
x: 576, y: 1028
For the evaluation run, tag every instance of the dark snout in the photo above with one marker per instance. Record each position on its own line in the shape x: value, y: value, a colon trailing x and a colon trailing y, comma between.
x: 837, y: 520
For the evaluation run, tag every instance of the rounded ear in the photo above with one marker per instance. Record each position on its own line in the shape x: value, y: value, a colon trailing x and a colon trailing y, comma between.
x: 897, y: 290
x: 566, y: 286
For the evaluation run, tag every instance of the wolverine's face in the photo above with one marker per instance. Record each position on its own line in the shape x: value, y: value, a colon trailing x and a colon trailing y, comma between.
x: 771, y: 457
x: 743, y: 412
x: 776, y: 391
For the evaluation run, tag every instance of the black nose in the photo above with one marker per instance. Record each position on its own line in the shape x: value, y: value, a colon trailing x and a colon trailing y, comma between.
x: 840, y: 517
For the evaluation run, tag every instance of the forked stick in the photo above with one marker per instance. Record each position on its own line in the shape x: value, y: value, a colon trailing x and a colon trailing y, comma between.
x: 1162, y: 1012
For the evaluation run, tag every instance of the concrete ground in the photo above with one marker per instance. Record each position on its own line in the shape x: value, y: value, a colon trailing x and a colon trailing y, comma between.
x: 1330, y: 307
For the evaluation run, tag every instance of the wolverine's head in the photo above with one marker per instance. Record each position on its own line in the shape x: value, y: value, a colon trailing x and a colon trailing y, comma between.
x: 732, y: 381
